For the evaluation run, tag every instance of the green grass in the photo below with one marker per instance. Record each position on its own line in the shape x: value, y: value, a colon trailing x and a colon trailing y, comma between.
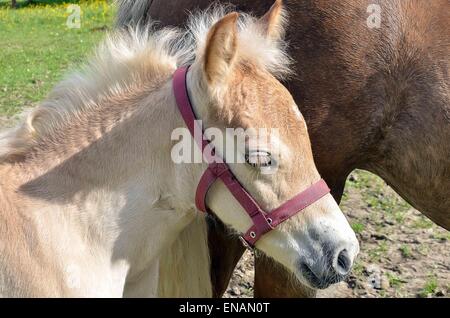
x: 37, y: 47
x: 423, y: 249
x: 399, y: 217
x: 394, y: 280
x: 24, y: 3
x: 430, y: 287
x: 378, y: 253
x: 358, y: 227
x: 358, y: 268
x: 441, y: 236
x: 373, y: 192
x: 406, y: 251
x: 423, y: 223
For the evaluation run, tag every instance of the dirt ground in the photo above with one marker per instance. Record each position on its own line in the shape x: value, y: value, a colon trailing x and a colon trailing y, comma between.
x: 403, y: 254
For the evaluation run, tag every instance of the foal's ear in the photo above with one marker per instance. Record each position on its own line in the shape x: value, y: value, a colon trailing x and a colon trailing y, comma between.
x: 221, y: 47
x: 273, y: 21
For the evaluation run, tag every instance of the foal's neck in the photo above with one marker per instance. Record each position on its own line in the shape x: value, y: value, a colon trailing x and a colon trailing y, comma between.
x: 119, y: 189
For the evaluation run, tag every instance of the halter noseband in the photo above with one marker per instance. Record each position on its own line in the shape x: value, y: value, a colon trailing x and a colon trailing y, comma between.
x: 263, y: 222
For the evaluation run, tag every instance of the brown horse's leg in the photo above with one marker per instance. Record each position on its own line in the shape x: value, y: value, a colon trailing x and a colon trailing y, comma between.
x: 273, y: 281
x: 225, y: 251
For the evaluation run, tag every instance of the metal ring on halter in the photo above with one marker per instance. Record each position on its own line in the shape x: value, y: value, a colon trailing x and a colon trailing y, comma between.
x: 246, y: 244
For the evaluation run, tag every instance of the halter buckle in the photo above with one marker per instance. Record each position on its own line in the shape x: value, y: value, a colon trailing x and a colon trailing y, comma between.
x: 246, y: 244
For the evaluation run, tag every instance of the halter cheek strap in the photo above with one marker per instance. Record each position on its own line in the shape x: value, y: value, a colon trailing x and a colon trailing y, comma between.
x: 262, y: 222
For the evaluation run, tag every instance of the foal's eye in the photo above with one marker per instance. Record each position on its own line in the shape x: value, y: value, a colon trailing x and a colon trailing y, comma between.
x: 258, y: 158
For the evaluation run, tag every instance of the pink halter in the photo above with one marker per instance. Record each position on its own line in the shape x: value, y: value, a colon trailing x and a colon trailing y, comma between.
x: 263, y: 222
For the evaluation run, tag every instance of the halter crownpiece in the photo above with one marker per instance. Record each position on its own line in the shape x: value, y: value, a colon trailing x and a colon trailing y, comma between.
x: 263, y: 222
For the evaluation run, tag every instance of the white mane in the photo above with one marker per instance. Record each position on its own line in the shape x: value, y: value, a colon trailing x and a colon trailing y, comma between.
x: 130, y: 60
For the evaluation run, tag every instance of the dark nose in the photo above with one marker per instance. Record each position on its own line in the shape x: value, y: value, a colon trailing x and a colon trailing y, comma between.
x: 343, y: 263
x: 320, y: 276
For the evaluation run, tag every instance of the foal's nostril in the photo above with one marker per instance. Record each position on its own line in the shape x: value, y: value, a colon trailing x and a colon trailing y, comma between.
x: 343, y: 263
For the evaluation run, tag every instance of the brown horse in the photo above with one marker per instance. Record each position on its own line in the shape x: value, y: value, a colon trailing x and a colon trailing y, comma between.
x: 375, y: 97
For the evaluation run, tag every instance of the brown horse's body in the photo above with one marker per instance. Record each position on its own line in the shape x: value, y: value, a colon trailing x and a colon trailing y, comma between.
x: 373, y: 98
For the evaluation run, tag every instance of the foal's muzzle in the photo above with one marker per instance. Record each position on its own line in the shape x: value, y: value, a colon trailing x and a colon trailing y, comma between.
x: 328, y: 266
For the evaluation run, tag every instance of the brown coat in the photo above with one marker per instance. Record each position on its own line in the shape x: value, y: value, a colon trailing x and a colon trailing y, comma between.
x: 373, y: 98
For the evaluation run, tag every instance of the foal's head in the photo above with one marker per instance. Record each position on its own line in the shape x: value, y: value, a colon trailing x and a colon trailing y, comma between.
x: 233, y: 83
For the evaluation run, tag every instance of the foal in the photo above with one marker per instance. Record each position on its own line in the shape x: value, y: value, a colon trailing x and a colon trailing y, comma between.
x: 91, y: 198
